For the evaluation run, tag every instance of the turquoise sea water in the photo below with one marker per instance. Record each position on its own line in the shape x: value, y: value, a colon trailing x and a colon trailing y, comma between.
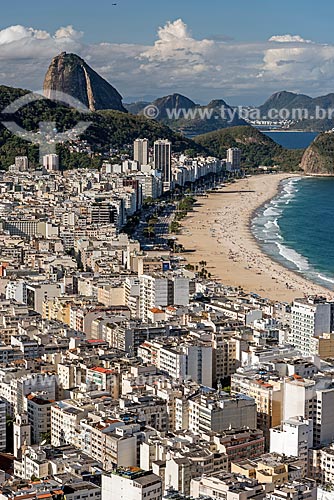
x: 296, y: 228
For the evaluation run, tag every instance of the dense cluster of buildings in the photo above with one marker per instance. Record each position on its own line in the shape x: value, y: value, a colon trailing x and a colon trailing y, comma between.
x: 125, y: 374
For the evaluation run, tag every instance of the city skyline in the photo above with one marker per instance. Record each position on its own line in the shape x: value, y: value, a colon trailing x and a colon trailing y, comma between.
x: 166, y: 268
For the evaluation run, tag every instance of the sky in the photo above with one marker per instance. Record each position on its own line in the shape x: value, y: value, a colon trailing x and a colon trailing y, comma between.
x: 241, y: 50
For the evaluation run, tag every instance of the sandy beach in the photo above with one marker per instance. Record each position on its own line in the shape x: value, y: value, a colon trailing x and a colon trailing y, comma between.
x: 219, y: 231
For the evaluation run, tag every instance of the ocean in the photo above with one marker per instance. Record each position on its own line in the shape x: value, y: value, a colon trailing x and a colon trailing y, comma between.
x: 296, y: 228
x: 292, y: 140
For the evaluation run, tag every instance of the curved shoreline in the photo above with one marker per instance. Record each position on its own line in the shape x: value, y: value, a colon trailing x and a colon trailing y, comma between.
x: 226, y: 242
x: 257, y: 211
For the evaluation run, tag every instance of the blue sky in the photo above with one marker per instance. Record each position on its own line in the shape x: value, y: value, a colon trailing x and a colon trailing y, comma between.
x: 240, y: 50
x: 136, y: 21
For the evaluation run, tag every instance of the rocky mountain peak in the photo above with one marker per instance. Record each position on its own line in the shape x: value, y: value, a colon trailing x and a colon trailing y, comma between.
x: 70, y: 74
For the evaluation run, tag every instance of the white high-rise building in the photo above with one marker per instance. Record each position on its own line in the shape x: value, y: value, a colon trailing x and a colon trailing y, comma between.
x: 292, y: 438
x: 140, y: 151
x: 39, y: 417
x: 186, y: 360
x: 2, y: 425
x: 181, y: 291
x: 163, y: 159
x: 150, y: 184
x: 161, y: 291
x: 233, y: 159
x: 131, y: 483
x: 219, y: 412
x: 313, y: 400
x: 51, y: 162
x: 327, y: 466
x: 311, y: 317
x: 65, y: 422
x: 21, y: 163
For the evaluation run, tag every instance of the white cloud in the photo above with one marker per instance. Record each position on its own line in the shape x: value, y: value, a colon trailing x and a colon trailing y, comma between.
x: 288, y: 39
x: 68, y: 32
x: 177, y: 30
x: 20, y: 33
x: 176, y: 62
x: 310, y: 67
x: 176, y: 58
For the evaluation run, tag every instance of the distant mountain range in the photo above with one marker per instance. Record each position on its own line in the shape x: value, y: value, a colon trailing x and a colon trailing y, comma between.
x: 70, y: 74
x: 304, y: 107
x: 216, y: 126
x: 301, y: 108
x: 183, y: 115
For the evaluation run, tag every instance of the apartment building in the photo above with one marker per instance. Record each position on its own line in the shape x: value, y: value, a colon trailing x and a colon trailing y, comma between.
x: 218, y: 412
x: 181, y: 456
x: 239, y: 443
x: 15, y: 385
x: 39, y: 417
x: 228, y: 486
x: 131, y: 483
x: 313, y: 400
x: 268, y: 469
x: 51, y: 162
x: 225, y: 360
x: 267, y: 392
x: 181, y: 360
x: 326, y: 463
x: 310, y: 317
x: 3, y: 429
x: 149, y: 409
x: 111, y: 442
x: 140, y: 151
x: 293, y: 438
x: 302, y: 489
x: 162, y: 291
x: 104, y: 379
x: 65, y: 421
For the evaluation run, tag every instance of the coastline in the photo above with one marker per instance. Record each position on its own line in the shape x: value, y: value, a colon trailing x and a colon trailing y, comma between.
x: 288, y: 130
x: 219, y: 232
x: 308, y: 174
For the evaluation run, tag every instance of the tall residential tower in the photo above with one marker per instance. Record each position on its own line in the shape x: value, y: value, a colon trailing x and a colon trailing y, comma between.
x: 140, y: 151
x: 311, y: 317
x: 163, y: 160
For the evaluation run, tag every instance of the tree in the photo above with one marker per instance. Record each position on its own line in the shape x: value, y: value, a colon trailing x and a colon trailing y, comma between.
x: 46, y: 436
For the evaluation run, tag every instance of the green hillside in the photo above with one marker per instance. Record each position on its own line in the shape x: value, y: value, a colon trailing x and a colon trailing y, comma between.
x: 109, y: 129
x: 256, y: 148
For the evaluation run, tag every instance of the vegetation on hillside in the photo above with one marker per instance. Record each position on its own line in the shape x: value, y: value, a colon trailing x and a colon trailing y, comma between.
x: 256, y: 148
x: 109, y: 129
x: 309, y: 113
x: 114, y: 130
x: 191, y: 118
x: 319, y: 156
